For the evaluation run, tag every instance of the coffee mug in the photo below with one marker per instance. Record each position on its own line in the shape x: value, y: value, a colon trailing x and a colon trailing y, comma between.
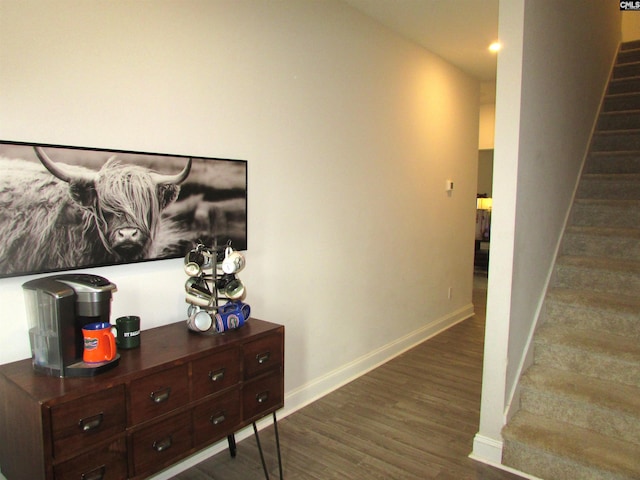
x: 231, y: 287
x: 233, y: 261
x: 128, y: 332
x: 99, y: 342
x: 200, y: 300
x: 196, y: 261
x: 199, y: 320
x: 231, y: 316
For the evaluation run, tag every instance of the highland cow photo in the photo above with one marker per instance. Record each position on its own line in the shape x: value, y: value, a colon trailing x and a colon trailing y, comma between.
x: 63, y: 208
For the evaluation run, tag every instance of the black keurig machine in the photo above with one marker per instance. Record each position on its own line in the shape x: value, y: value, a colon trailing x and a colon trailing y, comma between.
x: 58, y: 307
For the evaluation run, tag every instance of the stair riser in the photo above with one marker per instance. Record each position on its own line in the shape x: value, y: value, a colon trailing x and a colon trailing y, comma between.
x: 618, y: 322
x: 605, y: 215
x: 626, y: 70
x: 613, y: 164
x: 601, y: 246
x: 587, y: 363
x: 621, y: 189
x: 618, y: 121
x: 548, y: 466
x: 621, y: 103
x: 625, y: 85
x: 628, y: 56
x: 597, y: 280
x: 615, y: 142
x: 582, y: 414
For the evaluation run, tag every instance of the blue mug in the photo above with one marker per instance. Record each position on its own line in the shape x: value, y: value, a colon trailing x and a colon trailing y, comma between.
x: 232, y: 315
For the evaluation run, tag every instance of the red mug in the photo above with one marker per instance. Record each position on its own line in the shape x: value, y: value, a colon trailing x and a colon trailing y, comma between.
x: 99, y: 342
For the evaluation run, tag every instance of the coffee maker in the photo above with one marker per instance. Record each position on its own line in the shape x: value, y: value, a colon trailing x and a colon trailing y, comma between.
x: 58, y: 307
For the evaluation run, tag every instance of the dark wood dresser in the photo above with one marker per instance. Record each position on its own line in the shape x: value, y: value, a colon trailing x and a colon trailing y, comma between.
x: 176, y: 394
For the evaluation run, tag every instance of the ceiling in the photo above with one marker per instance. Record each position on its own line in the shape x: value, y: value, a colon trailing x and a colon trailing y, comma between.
x: 459, y: 31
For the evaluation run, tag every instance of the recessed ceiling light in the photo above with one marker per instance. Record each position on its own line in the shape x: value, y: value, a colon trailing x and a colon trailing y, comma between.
x: 495, y: 47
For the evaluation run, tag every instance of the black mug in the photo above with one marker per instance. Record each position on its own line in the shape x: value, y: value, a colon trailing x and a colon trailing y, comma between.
x: 128, y: 332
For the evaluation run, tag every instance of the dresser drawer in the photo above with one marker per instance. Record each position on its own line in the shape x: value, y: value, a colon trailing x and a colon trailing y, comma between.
x: 261, y: 355
x: 159, y: 393
x: 260, y: 396
x: 216, y: 372
x: 87, y: 420
x: 215, y: 418
x: 106, y: 463
x: 159, y: 444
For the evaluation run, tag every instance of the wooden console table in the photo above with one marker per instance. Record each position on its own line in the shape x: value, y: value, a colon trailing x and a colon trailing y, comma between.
x: 174, y: 395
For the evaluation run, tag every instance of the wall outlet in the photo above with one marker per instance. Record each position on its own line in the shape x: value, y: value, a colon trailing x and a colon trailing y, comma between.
x: 449, y: 293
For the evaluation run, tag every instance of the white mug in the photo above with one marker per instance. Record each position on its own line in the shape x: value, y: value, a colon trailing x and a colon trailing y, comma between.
x: 233, y: 261
x: 199, y: 320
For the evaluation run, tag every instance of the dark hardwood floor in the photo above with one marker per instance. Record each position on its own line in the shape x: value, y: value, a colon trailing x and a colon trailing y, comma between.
x: 412, y: 418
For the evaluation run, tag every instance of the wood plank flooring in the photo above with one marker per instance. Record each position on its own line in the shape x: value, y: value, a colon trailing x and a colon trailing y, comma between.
x: 413, y: 418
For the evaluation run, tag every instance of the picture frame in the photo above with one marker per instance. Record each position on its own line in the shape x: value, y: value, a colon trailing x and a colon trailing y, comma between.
x: 67, y: 207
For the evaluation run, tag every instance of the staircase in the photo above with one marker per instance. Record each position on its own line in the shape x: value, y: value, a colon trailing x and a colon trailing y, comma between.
x: 579, y: 414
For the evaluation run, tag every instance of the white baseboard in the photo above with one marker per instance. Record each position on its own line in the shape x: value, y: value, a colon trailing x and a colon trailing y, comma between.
x: 486, y: 450
x: 319, y: 387
x: 489, y: 451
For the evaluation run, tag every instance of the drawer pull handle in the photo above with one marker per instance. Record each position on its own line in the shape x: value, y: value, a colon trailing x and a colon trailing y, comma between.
x: 90, y: 423
x: 161, y: 395
x: 217, y: 375
x: 95, y: 474
x: 162, y: 445
x: 263, y: 358
x: 262, y: 397
x: 217, y: 418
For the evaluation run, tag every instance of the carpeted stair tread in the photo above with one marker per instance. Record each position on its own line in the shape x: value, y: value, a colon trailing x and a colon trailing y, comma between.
x: 624, y: 85
x: 599, y: 300
x: 602, y: 242
x: 625, y: 70
x: 601, y: 343
x: 617, y: 140
x: 581, y: 309
x: 598, y: 404
x: 622, y: 102
x: 593, y: 353
x: 601, y: 263
x: 613, y: 162
x: 615, y: 203
x: 599, y: 274
x: 615, y: 186
x: 605, y: 213
x: 628, y: 120
x: 611, y: 177
x: 630, y: 45
x: 602, y: 457
x: 620, y: 232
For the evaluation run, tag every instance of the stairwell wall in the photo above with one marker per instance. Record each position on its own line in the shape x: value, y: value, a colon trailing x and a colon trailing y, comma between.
x: 551, y: 78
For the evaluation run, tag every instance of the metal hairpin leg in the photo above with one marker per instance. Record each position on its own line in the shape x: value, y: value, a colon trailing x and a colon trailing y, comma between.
x: 231, y: 439
x: 275, y: 427
x: 264, y: 464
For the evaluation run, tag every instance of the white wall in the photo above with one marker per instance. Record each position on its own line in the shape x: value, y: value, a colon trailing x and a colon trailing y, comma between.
x: 350, y: 133
x: 551, y: 76
x: 630, y: 26
x: 487, y: 126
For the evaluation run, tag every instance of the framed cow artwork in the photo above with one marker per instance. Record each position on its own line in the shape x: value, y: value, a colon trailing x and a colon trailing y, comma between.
x: 64, y: 208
